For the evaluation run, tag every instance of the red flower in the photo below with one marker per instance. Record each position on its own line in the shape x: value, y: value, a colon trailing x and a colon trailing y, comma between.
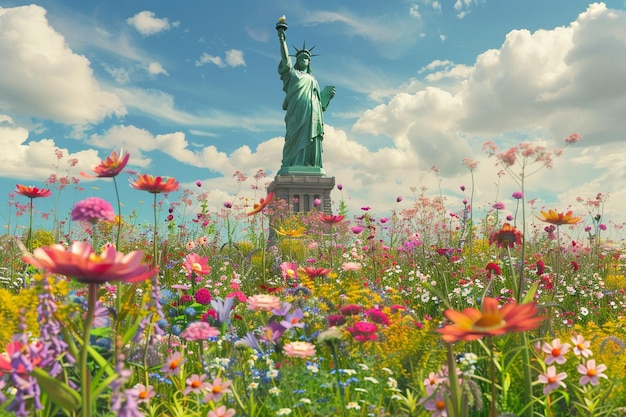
x: 316, y: 272
x: 110, y: 167
x: 30, y: 352
x: 84, y: 265
x: 203, y: 296
x: 541, y: 267
x: 508, y: 236
x: 574, y: 265
x: 261, y: 204
x: 377, y: 316
x: 195, y: 264
x: 331, y: 218
x: 492, y: 269
x: 351, y: 310
x: 472, y: 324
x: 154, y: 185
x: 31, y: 191
x: 336, y: 319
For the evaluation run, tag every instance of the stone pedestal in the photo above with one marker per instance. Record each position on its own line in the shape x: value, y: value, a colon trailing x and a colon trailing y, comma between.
x: 300, y: 190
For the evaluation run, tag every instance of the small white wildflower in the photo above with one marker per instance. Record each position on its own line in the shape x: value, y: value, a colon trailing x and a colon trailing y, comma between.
x: 313, y: 368
x: 584, y: 311
x: 364, y: 367
x: 361, y: 390
x: 353, y: 406
x: 349, y: 371
x: 389, y: 371
x: 272, y: 373
x: 274, y: 391
x: 283, y: 412
x: 371, y: 379
x: 304, y: 401
x: 253, y: 385
x: 392, y: 383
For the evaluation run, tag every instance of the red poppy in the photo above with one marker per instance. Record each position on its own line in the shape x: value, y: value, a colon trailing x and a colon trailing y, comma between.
x: 154, y: 185
x: 31, y: 192
x: 110, y: 167
x: 508, y: 236
x: 264, y: 202
x: 472, y: 324
x: 331, y: 218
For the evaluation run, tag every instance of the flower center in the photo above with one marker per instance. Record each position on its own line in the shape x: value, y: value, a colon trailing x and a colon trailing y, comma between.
x: 551, y: 379
x: 216, y: 389
x: 174, y: 364
x: 195, y: 384
x: 580, y: 346
x: 591, y: 372
x: 489, y: 322
x: 142, y: 395
x: 196, y: 267
x: 441, y: 405
x: 556, y: 352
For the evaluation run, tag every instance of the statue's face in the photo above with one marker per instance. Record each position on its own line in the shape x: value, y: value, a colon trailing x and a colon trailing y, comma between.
x: 302, y: 62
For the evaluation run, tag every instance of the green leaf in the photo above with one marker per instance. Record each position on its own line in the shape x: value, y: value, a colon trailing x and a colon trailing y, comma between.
x: 58, y: 391
x: 530, y: 295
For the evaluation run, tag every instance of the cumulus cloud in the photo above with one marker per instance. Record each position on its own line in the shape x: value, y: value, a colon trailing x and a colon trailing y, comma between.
x: 155, y: 68
x: 146, y: 24
x: 59, y: 85
x: 233, y: 58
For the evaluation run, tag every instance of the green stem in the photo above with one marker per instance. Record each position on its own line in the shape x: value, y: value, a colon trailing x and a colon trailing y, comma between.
x: 85, y: 375
x: 492, y: 371
x: 154, y: 236
x: 456, y: 399
x: 528, y: 393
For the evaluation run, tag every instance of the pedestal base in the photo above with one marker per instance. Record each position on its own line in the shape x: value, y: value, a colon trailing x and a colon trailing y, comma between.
x: 301, y: 190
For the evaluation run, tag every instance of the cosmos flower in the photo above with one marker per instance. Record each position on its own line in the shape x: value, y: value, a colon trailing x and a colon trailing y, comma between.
x: 293, y: 233
x: 299, y: 349
x: 84, y: 265
x: 555, y: 351
x: 316, y: 272
x: 555, y: 218
x: 142, y: 393
x: 216, y: 389
x: 31, y: 191
x: 581, y: 346
x: 264, y: 202
x: 196, y: 384
x: 472, y: 324
x: 331, y: 218
x: 221, y: 411
x: 196, y: 264
x: 172, y: 365
x: 109, y: 167
x: 154, y: 185
x: 507, y: 236
x: 552, y: 379
x: 93, y: 209
x: 591, y: 372
x: 437, y: 405
x: 293, y: 319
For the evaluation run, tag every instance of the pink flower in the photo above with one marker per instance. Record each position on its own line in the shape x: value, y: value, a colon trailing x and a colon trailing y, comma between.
x: 363, y: 331
x: 498, y: 206
x: 590, y: 372
x: 437, y: 405
x: 289, y: 270
x: 195, y: 264
x: 377, y: 316
x: 221, y: 412
x: 216, y: 389
x: 552, y: 379
x: 299, y: 349
x: 199, y: 330
x: 581, y: 346
x: 202, y: 296
x: 555, y: 351
x: 573, y: 138
x: 351, y: 310
x: 92, y: 210
x: 84, y: 265
x: 518, y: 195
x: 351, y: 266
x: 172, y: 365
x: 154, y: 185
x: 263, y: 302
x: 110, y: 167
x: 31, y: 353
x: 195, y: 383
x: 142, y: 393
x: 31, y: 191
x: 356, y: 229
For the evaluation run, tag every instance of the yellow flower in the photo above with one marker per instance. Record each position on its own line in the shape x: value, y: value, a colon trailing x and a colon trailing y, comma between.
x: 298, y: 232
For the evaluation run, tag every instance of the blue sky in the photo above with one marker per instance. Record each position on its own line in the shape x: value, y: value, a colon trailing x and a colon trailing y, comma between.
x: 191, y: 90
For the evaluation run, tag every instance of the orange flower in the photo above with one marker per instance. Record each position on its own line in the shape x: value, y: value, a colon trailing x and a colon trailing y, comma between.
x: 32, y: 192
x: 110, y: 167
x: 508, y: 236
x: 471, y: 324
x: 553, y: 217
x: 84, y: 265
x: 154, y: 185
x: 261, y: 204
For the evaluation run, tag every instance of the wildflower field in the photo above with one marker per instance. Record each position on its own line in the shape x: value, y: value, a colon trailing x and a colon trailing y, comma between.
x: 253, y: 310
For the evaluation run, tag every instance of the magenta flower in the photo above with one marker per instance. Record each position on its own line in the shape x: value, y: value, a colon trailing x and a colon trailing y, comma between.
x: 590, y: 372
x: 377, y: 316
x: 518, y: 195
x: 552, y: 379
x: 363, y: 331
x: 356, y: 229
x: 92, y: 210
x: 398, y: 199
x: 498, y: 206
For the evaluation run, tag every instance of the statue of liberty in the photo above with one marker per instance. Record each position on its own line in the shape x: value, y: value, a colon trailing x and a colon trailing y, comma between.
x: 304, y: 104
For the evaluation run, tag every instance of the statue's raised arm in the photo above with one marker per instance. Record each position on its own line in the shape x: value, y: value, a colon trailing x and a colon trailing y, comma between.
x: 304, y: 105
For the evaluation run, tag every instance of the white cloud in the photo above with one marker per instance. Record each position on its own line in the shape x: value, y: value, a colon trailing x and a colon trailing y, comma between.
x: 156, y: 68
x: 233, y: 58
x: 42, y: 77
x: 414, y: 10
x: 146, y: 24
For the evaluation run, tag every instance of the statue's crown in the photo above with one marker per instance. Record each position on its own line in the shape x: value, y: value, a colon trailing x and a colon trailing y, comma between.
x: 304, y: 50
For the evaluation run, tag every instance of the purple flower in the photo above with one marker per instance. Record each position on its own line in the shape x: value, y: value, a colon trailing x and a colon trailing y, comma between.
x: 199, y: 183
x: 293, y: 320
x: 499, y: 206
x: 509, y: 218
x: 356, y: 229
x: 228, y: 204
x: 339, y: 187
x: 602, y: 226
x: 518, y: 195
x: 92, y: 210
x: 398, y: 199
x: 462, y: 188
